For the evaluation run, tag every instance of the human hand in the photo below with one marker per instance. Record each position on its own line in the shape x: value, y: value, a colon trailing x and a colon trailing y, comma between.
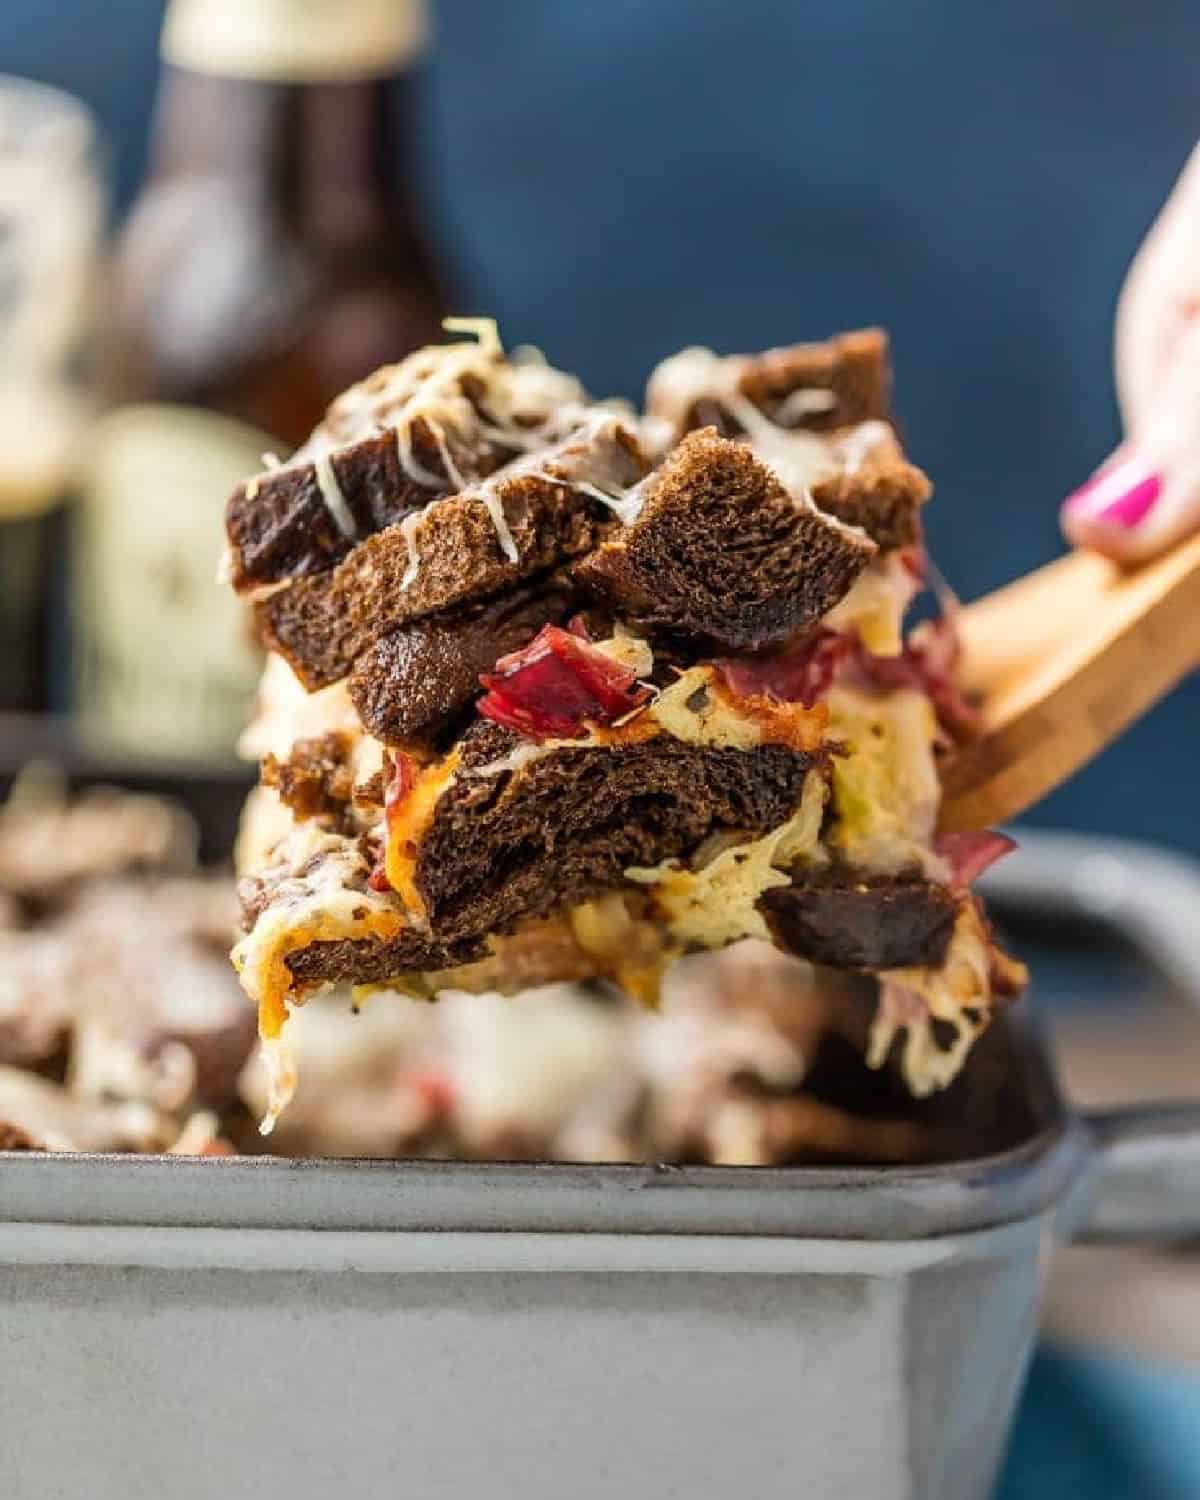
x: 1147, y: 494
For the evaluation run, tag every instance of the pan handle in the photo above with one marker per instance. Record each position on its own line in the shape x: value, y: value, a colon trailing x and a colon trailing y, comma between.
x: 1144, y: 1182
x: 1150, y: 895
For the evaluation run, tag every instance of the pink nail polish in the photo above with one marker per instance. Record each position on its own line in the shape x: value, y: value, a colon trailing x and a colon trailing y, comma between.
x: 1120, y: 494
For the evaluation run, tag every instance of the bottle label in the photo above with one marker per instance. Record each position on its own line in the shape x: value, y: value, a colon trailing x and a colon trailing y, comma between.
x: 166, y: 665
x: 294, y: 40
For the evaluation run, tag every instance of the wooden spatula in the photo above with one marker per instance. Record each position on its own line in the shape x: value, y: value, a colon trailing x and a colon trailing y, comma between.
x: 1066, y: 658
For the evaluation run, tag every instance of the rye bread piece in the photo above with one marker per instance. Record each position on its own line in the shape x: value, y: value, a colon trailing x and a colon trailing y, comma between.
x: 354, y: 960
x: 831, y: 389
x: 541, y: 951
x: 316, y: 779
x: 410, y: 684
x: 853, y: 367
x: 880, y: 491
x: 280, y: 525
x: 722, y: 554
x: 366, y: 961
x: 322, y: 624
x: 849, y: 921
x: 850, y: 376
x: 508, y: 845
x: 441, y: 420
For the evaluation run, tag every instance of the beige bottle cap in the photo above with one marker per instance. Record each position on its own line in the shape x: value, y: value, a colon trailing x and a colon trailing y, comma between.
x: 294, y: 40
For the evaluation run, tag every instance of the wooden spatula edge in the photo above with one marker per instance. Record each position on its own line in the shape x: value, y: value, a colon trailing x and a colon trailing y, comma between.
x: 1066, y: 659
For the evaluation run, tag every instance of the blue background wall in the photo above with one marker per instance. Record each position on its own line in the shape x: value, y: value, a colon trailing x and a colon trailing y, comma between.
x: 615, y: 180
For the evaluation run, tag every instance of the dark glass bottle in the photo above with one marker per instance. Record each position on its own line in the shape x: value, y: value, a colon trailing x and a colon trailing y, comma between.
x: 52, y: 212
x: 274, y: 256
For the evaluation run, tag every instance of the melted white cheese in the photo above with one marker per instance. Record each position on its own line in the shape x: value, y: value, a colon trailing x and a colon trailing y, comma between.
x: 717, y: 904
x: 886, y: 789
x: 518, y: 758
x: 626, y: 505
x: 279, y: 1070
x: 462, y: 393
x: 910, y: 1000
x: 408, y: 530
x: 806, y: 401
x: 494, y: 506
x: 412, y: 468
x: 331, y: 493
x: 854, y: 446
x: 800, y: 459
x: 322, y: 904
x: 629, y: 651
x: 694, y: 374
x: 875, y: 607
x: 285, y: 712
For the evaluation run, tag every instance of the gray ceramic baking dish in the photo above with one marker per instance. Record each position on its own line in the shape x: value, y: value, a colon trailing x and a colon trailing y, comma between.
x: 201, y: 1329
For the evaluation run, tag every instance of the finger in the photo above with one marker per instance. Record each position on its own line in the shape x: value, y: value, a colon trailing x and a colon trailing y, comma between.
x: 1161, y: 294
x: 1104, y: 513
x: 1139, y: 515
x: 1147, y: 496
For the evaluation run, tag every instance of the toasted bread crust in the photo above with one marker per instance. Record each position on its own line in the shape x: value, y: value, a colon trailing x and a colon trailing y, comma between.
x: 542, y: 951
x: 719, y: 551
x: 454, y: 551
x: 852, y: 368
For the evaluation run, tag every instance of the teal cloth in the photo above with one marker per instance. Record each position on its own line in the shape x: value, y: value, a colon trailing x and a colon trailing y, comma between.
x: 1104, y: 1427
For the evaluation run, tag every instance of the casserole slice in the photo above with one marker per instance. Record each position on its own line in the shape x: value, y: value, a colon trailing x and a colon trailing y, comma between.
x: 620, y: 688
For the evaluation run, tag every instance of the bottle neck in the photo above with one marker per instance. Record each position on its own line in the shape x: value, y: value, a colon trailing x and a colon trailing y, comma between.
x: 325, y: 158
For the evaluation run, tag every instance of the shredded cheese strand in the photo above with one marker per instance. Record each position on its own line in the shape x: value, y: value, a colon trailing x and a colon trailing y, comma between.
x: 335, y: 500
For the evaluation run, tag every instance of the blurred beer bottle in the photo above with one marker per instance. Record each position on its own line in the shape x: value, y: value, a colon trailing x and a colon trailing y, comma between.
x: 274, y: 256
x: 53, y: 204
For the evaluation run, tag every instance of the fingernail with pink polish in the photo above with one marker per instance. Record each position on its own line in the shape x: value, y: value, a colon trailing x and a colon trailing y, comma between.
x: 1121, y: 494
